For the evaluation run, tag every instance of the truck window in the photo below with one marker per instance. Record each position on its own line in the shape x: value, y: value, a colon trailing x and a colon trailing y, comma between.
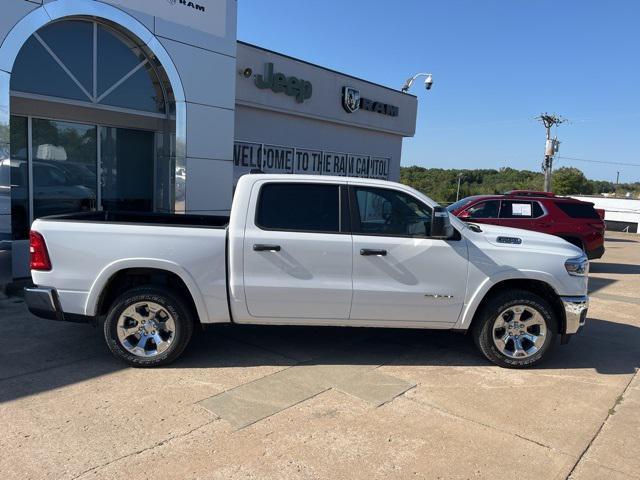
x: 383, y: 211
x: 300, y: 207
x: 488, y: 209
x: 578, y: 210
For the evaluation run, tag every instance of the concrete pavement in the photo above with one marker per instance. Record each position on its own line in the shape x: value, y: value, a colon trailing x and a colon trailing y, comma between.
x: 289, y: 402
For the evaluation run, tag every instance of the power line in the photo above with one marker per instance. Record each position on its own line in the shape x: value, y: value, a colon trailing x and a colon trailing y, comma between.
x: 599, y: 161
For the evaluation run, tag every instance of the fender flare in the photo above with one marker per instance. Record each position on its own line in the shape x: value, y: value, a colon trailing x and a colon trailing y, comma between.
x: 476, y: 297
x: 108, y: 272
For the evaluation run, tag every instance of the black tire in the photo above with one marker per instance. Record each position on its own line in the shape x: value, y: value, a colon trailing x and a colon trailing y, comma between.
x: 174, y: 306
x: 483, y: 328
x: 575, y: 241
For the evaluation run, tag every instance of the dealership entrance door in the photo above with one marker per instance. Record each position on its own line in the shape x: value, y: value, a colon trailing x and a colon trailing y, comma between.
x: 61, y: 167
x: 78, y: 167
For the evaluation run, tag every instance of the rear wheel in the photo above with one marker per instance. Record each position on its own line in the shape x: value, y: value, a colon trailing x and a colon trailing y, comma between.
x: 576, y: 241
x: 516, y: 329
x: 148, y: 327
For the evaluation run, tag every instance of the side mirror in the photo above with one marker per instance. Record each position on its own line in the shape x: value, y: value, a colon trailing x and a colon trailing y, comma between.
x: 464, y: 214
x: 441, y: 224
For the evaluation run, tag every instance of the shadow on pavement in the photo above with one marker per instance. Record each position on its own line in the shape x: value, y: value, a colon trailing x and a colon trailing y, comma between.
x: 623, y: 240
x: 596, y: 283
x: 38, y: 355
x: 623, y: 268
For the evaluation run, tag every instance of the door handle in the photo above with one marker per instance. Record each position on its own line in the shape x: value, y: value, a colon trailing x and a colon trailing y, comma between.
x: 371, y: 251
x: 259, y: 247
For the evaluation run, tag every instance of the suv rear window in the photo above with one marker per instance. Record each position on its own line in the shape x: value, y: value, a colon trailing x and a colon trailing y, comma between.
x: 303, y: 207
x: 578, y: 210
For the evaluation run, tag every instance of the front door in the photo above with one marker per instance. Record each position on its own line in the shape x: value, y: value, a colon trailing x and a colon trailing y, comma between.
x: 297, y: 253
x: 399, y: 273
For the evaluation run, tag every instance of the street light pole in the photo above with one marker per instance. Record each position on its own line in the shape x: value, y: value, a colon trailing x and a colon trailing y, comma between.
x: 458, y: 191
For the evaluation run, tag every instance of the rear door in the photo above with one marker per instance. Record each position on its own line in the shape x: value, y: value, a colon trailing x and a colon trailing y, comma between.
x: 298, y: 251
x: 542, y: 221
x: 516, y: 214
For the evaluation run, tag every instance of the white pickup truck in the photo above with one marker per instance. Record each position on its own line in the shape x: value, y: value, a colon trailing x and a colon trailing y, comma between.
x: 308, y: 250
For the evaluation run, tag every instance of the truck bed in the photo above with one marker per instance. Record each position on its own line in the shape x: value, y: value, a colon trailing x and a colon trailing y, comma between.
x: 144, y: 218
x: 88, y: 249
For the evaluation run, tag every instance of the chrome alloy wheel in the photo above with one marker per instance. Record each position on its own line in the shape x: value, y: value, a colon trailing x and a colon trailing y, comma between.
x: 146, y: 329
x: 519, y: 331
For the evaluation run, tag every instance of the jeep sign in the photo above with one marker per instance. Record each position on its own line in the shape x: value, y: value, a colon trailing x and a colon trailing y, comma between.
x: 280, y: 83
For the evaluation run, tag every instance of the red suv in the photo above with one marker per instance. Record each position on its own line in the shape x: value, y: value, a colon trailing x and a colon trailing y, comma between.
x: 575, y: 221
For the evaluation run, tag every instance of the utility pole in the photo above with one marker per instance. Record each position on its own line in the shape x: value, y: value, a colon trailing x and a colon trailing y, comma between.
x: 617, y: 178
x: 458, y: 192
x: 551, y: 148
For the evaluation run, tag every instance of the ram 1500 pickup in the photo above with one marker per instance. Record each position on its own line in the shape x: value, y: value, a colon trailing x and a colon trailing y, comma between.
x: 308, y: 250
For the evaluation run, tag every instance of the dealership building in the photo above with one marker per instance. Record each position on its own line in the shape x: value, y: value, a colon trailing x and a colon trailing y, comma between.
x: 155, y: 106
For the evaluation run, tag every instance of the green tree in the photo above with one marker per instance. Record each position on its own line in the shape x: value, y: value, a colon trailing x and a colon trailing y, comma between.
x: 441, y: 184
x: 570, y: 181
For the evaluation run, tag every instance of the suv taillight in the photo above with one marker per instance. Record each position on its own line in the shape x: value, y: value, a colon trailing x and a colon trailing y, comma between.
x: 38, y: 252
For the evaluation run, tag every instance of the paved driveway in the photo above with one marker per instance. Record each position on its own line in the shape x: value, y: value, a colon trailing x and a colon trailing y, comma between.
x: 284, y: 402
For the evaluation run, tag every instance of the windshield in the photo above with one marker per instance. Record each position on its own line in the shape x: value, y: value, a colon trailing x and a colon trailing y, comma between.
x: 460, y: 203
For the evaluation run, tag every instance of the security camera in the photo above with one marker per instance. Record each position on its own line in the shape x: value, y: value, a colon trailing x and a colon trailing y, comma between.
x: 428, y: 82
x: 246, y: 73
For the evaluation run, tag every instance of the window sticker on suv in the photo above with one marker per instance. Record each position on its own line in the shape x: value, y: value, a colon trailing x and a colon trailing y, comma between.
x: 521, y: 209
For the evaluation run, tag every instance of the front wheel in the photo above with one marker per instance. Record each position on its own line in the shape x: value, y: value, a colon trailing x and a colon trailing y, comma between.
x: 148, y: 327
x: 516, y: 329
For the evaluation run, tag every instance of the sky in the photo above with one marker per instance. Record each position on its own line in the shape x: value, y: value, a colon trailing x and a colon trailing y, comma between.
x: 496, y: 65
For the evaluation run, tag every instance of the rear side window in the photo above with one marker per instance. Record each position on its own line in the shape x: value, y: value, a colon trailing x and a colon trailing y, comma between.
x: 578, y: 210
x: 299, y: 207
x: 516, y: 209
x: 537, y: 210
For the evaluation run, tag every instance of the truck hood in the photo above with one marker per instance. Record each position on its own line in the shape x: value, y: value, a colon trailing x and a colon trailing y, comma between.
x: 528, y: 240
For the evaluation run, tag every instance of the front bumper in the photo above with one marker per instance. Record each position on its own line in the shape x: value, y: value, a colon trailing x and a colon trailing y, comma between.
x: 43, y: 302
x: 575, y: 309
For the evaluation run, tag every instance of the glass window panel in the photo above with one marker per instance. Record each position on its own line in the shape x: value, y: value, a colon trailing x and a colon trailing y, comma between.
x: 389, y: 212
x: 72, y: 42
x: 35, y: 71
x: 117, y: 56
x: 64, y: 167
x: 19, y: 178
x: 537, y: 210
x: 127, y: 165
x: 515, y: 209
x: 578, y: 210
x: 138, y: 92
x: 488, y: 209
x: 299, y: 207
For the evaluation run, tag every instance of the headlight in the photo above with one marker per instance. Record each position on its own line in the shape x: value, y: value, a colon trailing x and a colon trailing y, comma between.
x: 578, y: 266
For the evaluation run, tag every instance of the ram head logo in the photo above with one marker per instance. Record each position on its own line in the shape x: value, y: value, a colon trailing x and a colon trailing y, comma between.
x: 350, y: 99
